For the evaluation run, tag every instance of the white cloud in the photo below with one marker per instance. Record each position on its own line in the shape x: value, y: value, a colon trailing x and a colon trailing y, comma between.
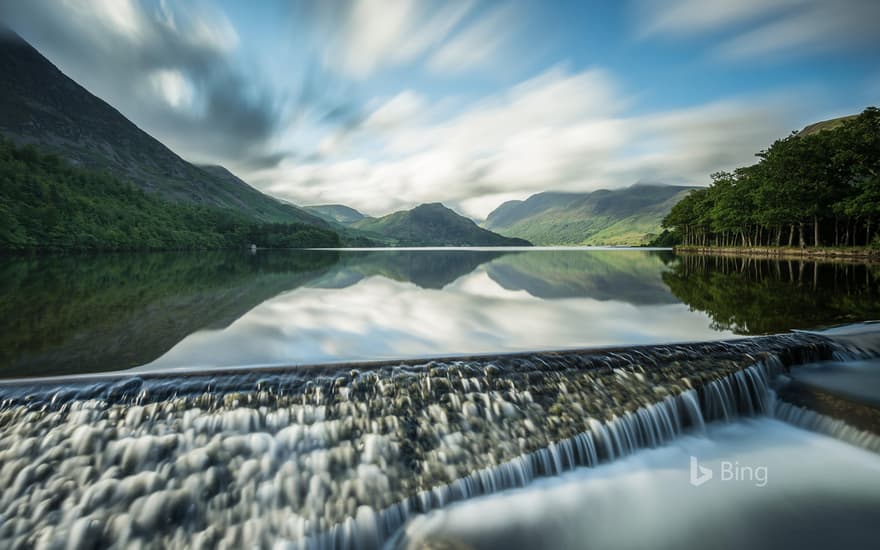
x: 171, y: 67
x: 400, y: 109
x: 688, y: 144
x: 820, y: 27
x: 692, y: 16
x: 477, y: 45
x: 558, y: 131
x: 174, y: 87
x: 362, y: 37
x: 375, y: 27
x: 773, y: 27
x: 377, y: 33
x: 122, y: 16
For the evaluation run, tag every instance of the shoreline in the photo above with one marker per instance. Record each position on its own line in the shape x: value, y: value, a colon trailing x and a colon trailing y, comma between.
x: 861, y: 254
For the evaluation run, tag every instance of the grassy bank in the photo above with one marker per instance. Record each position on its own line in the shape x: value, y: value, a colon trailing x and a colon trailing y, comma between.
x: 855, y: 253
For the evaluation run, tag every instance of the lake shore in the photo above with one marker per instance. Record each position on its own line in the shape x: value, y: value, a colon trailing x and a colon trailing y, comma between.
x: 860, y: 254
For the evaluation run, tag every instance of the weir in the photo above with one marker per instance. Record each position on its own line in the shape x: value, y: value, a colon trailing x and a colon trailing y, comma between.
x: 341, y: 457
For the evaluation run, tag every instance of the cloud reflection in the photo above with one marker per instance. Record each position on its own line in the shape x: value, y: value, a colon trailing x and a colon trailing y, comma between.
x: 379, y: 317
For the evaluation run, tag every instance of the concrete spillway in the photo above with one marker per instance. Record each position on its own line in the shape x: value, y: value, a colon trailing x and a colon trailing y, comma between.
x: 342, y: 457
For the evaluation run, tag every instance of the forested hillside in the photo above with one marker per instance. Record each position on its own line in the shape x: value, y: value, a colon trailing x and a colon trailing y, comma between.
x: 40, y: 105
x: 628, y: 216
x: 48, y: 205
x: 818, y: 188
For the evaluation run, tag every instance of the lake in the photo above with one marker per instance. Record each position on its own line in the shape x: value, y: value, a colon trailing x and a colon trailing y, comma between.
x: 504, y: 451
x: 65, y: 315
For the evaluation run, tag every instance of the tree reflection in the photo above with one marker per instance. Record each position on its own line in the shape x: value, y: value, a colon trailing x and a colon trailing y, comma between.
x: 761, y: 296
x: 73, y: 314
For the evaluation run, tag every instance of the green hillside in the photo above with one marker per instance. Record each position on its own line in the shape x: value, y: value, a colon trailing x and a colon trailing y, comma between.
x: 40, y: 105
x: 831, y: 124
x: 629, y: 216
x: 48, y: 205
x: 433, y: 225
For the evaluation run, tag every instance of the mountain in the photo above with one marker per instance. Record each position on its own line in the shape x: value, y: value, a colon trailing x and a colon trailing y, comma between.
x: 628, y: 216
x: 433, y: 225
x: 338, y: 213
x: 817, y: 127
x: 40, y: 105
x: 47, y: 204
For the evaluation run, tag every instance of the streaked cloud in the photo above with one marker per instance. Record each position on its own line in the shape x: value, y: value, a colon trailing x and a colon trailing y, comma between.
x: 167, y: 65
x: 818, y: 27
x: 478, y: 45
x: 559, y: 130
x: 364, y: 36
x: 383, y: 104
x: 695, y: 16
x: 750, y: 29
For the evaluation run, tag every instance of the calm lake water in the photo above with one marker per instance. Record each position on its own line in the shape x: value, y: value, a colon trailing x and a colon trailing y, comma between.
x: 80, y: 314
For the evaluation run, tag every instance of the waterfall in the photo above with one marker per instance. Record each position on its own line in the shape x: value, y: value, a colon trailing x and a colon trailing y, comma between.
x: 744, y: 393
x: 819, y: 423
x: 341, y: 457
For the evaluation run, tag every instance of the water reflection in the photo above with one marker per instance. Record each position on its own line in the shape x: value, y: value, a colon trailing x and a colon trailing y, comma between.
x: 88, y: 314
x: 754, y: 296
x: 76, y: 314
x: 428, y: 303
x: 426, y: 269
x: 631, y: 276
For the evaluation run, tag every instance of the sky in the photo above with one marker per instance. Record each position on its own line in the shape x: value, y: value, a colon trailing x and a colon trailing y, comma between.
x: 386, y: 104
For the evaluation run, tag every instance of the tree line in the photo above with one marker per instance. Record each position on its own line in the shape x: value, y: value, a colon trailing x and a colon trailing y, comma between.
x: 818, y: 189
x: 46, y: 204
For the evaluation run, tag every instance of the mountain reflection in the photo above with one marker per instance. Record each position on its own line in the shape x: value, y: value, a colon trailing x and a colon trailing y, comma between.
x: 631, y: 276
x: 78, y: 314
x: 425, y: 268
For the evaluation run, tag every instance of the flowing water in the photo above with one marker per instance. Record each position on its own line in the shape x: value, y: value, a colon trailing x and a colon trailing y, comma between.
x: 795, y: 490
x: 567, y: 449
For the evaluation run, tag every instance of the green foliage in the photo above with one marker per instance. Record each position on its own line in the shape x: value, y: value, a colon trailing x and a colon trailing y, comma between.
x: 826, y: 181
x: 48, y: 205
x: 666, y: 239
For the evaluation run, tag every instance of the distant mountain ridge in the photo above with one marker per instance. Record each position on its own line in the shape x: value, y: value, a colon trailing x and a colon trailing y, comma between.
x: 628, y: 216
x: 40, y: 105
x: 433, y: 225
x: 338, y: 213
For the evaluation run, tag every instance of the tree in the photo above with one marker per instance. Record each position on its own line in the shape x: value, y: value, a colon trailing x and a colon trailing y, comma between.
x: 820, y: 181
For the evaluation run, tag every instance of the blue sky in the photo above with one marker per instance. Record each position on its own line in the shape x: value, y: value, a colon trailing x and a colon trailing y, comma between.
x: 384, y: 104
